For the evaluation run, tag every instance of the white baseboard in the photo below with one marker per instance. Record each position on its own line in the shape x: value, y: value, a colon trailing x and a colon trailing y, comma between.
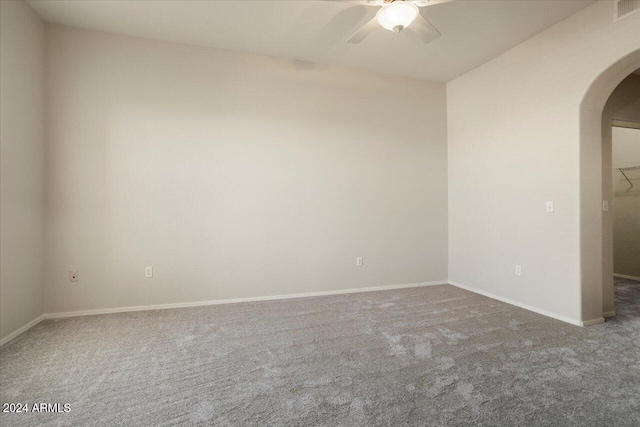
x: 609, y: 313
x: 625, y: 276
x: 526, y: 307
x: 591, y: 322
x: 235, y: 300
x: 290, y: 296
x: 203, y: 303
x: 22, y: 329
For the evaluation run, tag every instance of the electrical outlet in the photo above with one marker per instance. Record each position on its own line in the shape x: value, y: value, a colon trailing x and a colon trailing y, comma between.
x: 605, y: 206
x: 148, y: 272
x: 518, y: 270
x: 359, y: 261
x: 73, y: 276
x: 549, y: 206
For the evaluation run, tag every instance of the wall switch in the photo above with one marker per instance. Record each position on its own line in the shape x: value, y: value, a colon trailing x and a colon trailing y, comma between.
x: 148, y: 272
x: 605, y: 206
x: 73, y: 276
x: 549, y: 206
x: 359, y: 261
x: 518, y: 270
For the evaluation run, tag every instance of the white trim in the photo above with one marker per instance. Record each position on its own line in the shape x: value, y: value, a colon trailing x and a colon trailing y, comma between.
x: 609, y: 313
x: 525, y: 306
x: 204, y: 303
x: 592, y: 322
x: 301, y: 295
x: 625, y: 276
x: 22, y: 329
x: 235, y: 300
x: 625, y: 124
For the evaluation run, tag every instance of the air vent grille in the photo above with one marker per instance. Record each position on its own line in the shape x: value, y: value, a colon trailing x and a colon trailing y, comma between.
x: 624, y: 8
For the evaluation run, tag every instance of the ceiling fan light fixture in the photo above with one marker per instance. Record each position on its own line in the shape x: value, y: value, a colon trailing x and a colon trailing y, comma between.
x: 397, y: 16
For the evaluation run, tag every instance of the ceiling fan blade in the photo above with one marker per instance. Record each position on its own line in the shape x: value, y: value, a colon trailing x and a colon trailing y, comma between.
x: 363, y: 32
x: 360, y: 2
x: 425, y: 30
x: 423, y: 3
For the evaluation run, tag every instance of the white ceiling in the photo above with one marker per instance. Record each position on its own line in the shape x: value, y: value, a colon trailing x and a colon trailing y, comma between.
x: 473, y: 31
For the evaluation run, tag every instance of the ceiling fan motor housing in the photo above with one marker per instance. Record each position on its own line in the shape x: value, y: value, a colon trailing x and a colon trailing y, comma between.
x: 397, y: 16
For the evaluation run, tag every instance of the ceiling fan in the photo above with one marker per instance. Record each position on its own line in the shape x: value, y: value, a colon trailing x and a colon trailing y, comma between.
x: 396, y: 15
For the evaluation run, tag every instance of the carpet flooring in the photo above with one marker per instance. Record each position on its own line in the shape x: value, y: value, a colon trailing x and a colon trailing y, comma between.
x: 435, y: 355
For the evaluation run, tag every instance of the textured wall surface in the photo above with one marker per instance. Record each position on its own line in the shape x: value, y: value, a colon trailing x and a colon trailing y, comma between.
x: 514, y: 143
x: 234, y: 175
x: 626, y: 202
x: 22, y: 56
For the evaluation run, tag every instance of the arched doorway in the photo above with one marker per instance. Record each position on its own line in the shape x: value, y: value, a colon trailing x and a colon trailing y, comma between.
x: 596, y: 298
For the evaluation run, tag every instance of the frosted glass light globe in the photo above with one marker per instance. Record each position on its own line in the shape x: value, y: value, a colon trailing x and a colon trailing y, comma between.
x: 397, y: 16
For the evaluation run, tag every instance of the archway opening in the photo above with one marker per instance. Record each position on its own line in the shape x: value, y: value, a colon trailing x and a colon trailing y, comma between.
x: 596, y: 252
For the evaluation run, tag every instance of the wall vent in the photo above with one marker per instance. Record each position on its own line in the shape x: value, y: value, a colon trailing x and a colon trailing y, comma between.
x: 624, y: 8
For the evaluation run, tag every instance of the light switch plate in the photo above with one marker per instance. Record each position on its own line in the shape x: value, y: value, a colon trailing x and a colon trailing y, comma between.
x: 605, y: 206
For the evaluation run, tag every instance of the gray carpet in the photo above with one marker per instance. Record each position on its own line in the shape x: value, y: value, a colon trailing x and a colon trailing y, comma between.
x: 422, y: 356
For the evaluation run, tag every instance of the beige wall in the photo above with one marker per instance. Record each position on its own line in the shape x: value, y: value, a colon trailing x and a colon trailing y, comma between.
x: 514, y: 143
x: 224, y: 170
x: 626, y: 206
x: 618, y: 225
x: 22, y: 58
x: 234, y: 175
